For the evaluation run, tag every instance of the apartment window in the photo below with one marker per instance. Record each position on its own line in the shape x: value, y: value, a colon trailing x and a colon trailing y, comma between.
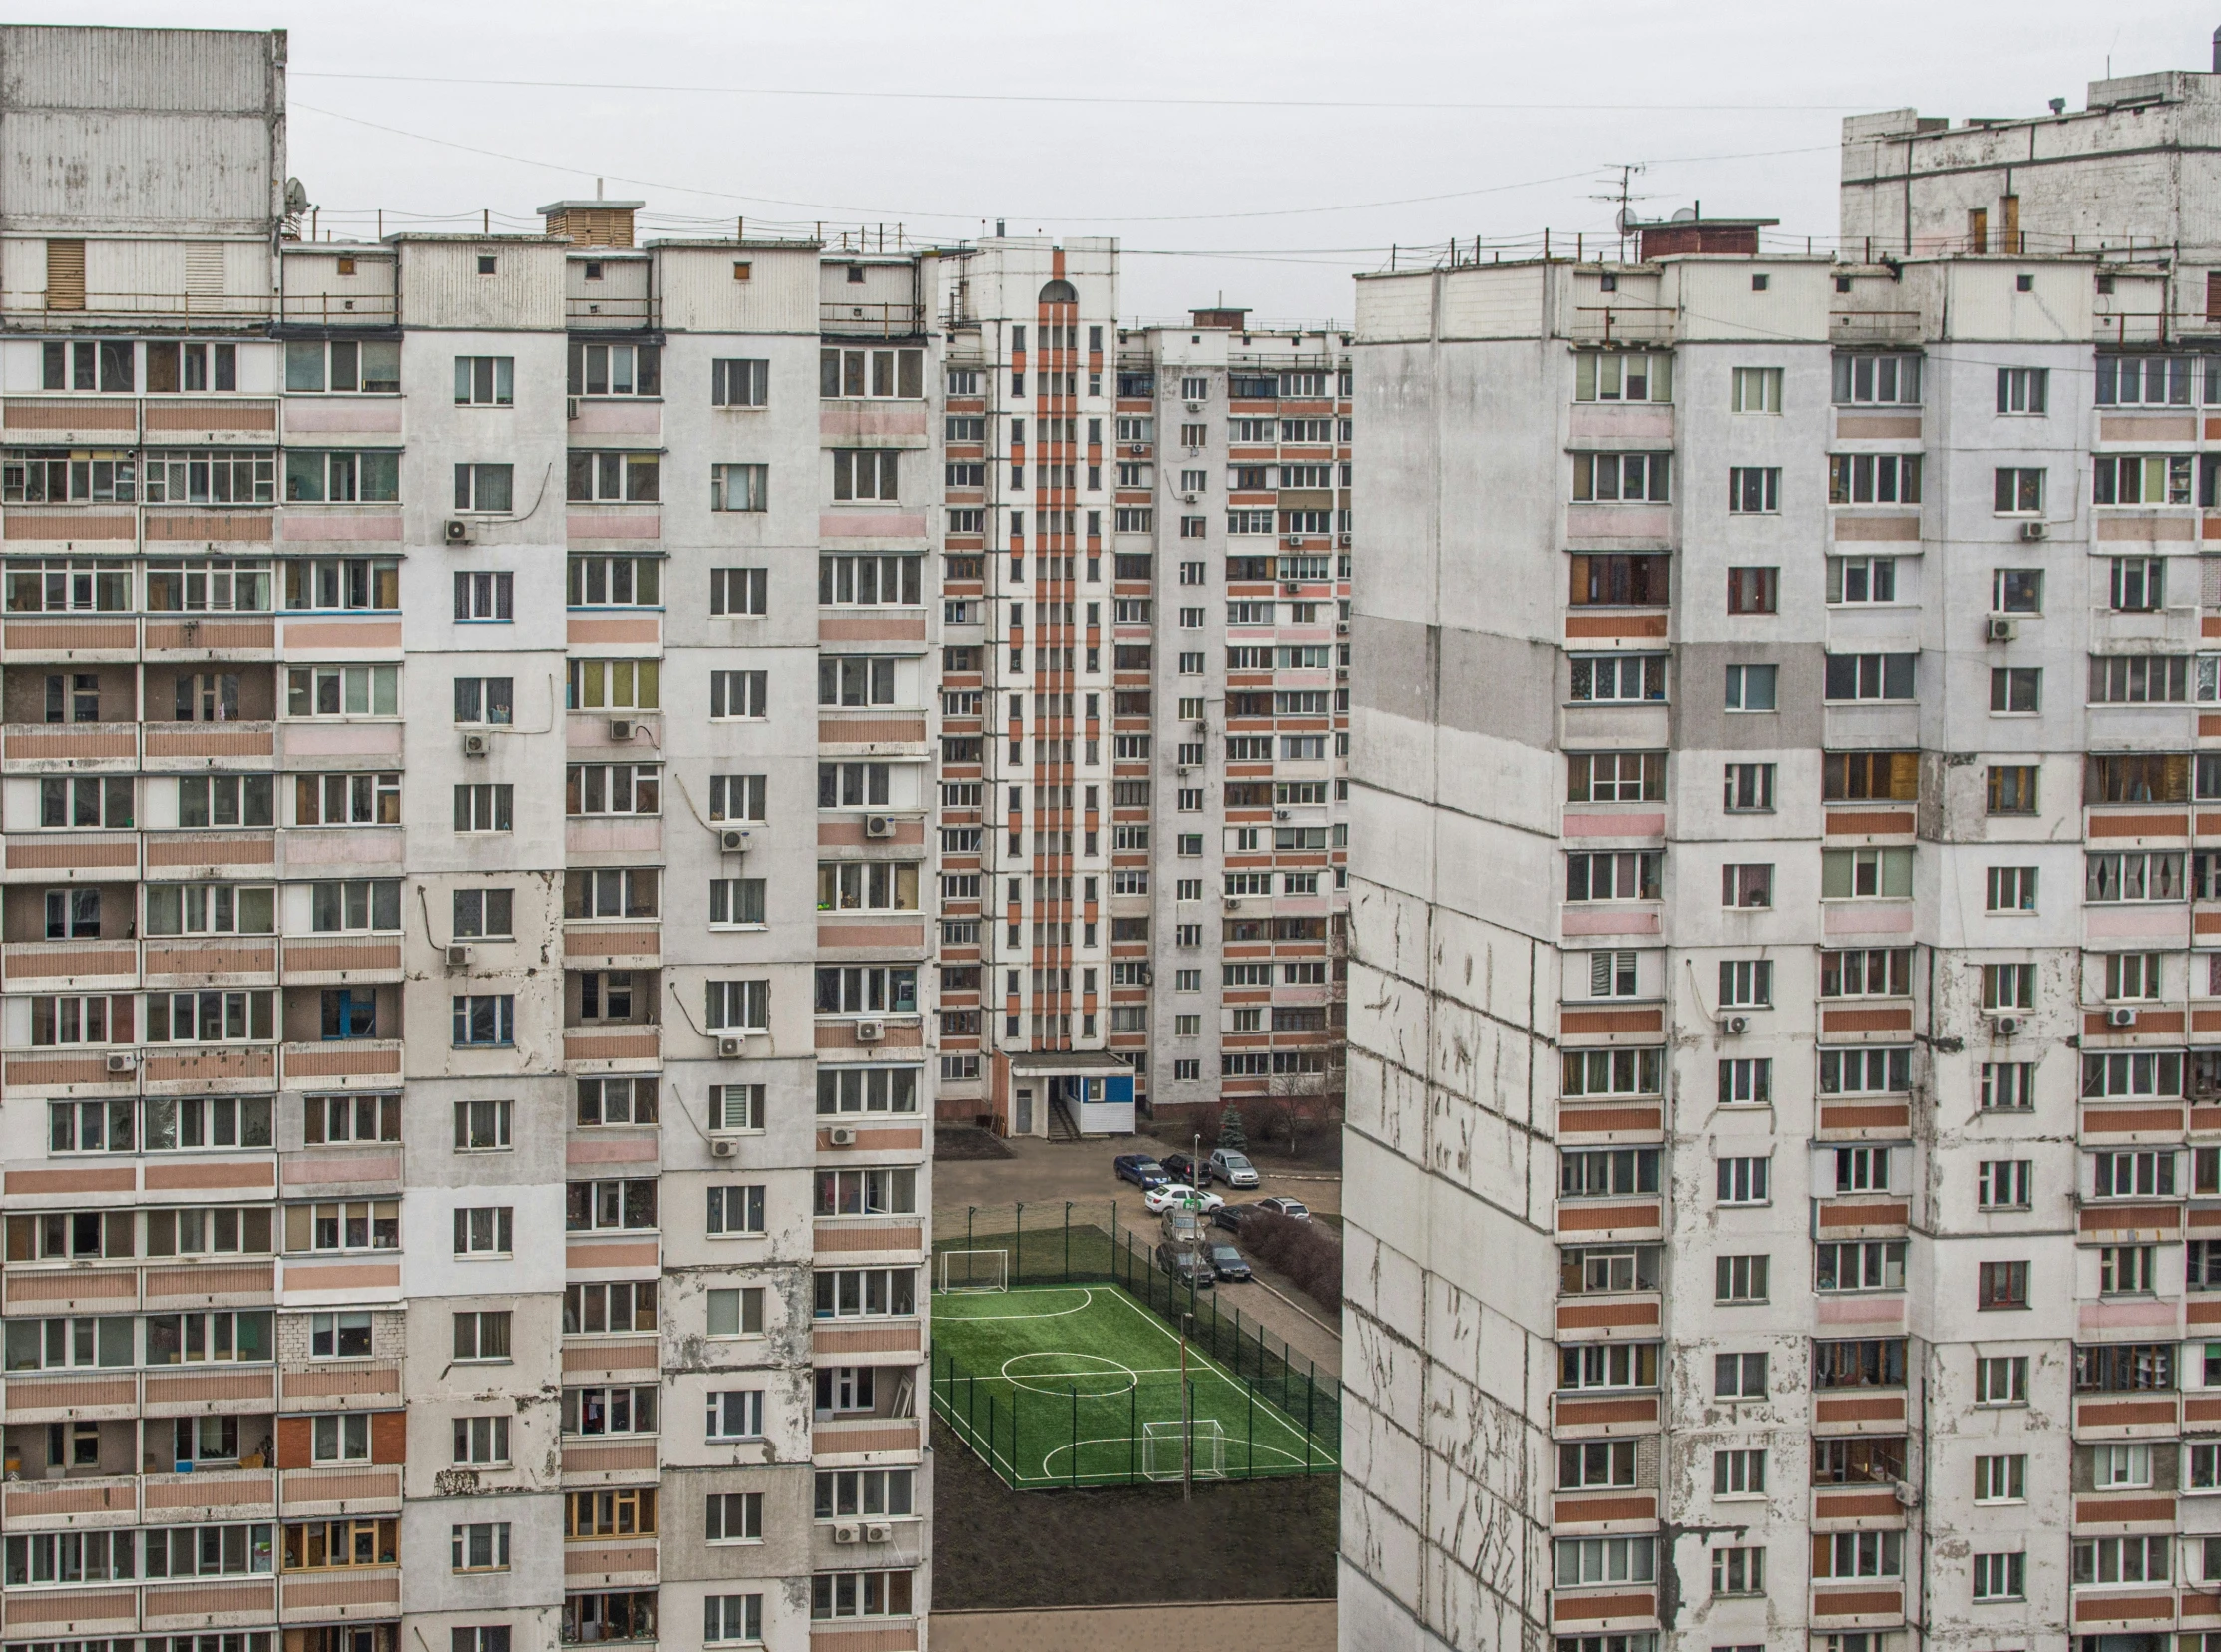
x: 1744, y: 1180
x: 342, y: 690
x: 2141, y: 479
x: 1739, y: 1376
x: 731, y: 1617
x: 1740, y: 1279
x: 1619, y: 677
x: 1747, y: 1081
x: 2139, y: 585
x: 207, y: 908
x: 484, y: 1230
x: 1597, y: 1463
x: 615, y: 1307
x: 481, y: 1335
x: 734, y: 1414
x: 737, y: 1211
x: 2002, y: 1184
x: 740, y: 486
x: 1747, y: 884
x: 2024, y: 389
x: 340, y: 1436
x: 1866, y: 874
x: 485, y: 596
x: 1616, y: 777
x: 1610, y: 580
x: 1738, y: 1571
x: 1614, y: 1365
x: 485, y: 1019
x: 1889, y: 379
x: 1615, y: 875
x: 2017, y: 491
x: 604, y: 1101
x: 2011, y: 889
x: 733, y: 1517
x: 1746, y: 983
x: 481, y: 1440
x: 1607, y: 1173
x: 1584, y: 1561
x: 2002, y: 1285
x: 353, y: 799
x: 2132, y: 976
x: 1862, y: 578
x: 615, y: 582
x: 593, y: 1206
x: 2121, y: 1560
x: 1854, y: 776
x: 1753, y: 489
x: 341, y: 365
x: 486, y: 489
x: 866, y: 474
x: 2001, y: 1380
x: 739, y: 382
x: 2010, y: 789
x: 2002, y: 1478
x: 2007, y: 1086
x: 1753, y: 590
x: 2001, y: 1576
x: 1751, y: 687
x: 485, y: 808
x: 611, y: 789
x: 480, y: 1126
x: 1756, y: 390
x: 2008, y: 986
x: 475, y: 913
x: 606, y: 478
x: 848, y: 1293
x: 2136, y: 777
x: 1858, y: 1265
x: 1870, y: 677
x: 1874, y: 479
x: 485, y: 381
x: 1611, y: 375
x: 1624, y: 477
x: 2128, y: 1175
x: 1859, y: 1555
x: 739, y: 797
x: 609, y: 1411
x: 876, y: 374
x: 738, y: 1005
x: 479, y: 1547
x: 866, y: 990
x: 1874, y: 1070
x: 2124, y: 1074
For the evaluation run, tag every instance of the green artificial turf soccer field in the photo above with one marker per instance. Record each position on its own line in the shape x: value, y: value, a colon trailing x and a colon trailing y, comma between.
x: 1055, y: 1385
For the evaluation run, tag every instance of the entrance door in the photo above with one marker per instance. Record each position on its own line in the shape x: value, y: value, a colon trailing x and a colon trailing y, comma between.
x: 1024, y: 1112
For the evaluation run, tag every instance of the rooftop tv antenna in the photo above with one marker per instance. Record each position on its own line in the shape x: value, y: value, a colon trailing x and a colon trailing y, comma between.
x: 1624, y: 196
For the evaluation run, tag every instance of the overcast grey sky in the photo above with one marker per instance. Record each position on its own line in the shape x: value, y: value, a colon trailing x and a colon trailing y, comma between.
x: 1265, y: 151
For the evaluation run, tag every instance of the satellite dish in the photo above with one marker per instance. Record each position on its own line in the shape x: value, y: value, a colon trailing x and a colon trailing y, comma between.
x: 297, y: 197
x: 1685, y: 215
x: 1624, y: 220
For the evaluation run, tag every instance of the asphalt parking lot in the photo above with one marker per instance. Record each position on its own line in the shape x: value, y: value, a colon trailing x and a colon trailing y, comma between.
x: 1045, y: 1174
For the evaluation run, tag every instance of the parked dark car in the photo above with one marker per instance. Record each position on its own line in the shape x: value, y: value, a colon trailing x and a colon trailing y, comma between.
x: 1231, y: 1216
x: 1295, y: 1208
x: 1227, y: 1262
x: 1139, y: 1170
x: 1180, y: 1167
x: 1188, y: 1264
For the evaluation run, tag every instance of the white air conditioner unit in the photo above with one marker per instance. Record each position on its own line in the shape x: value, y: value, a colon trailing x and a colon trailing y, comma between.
x: 733, y: 840
x: 1295, y: 541
x: 458, y: 957
x: 842, y: 1135
x: 723, y: 1147
x: 878, y: 1533
x: 1341, y: 628
x: 1291, y: 588
x: 1195, y: 407
x: 1343, y: 539
x: 731, y: 1044
x: 622, y: 728
x: 1188, y: 498
x: 457, y: 531
x: 1139, y: 449
x: 121, y: 1063
x: 871, y: 1031
x: 477, y: 745
x: 2121, y: 1018
x: 847, y: 1534
x: 570, y: 407
x: 879, y: 826
x: 1736, y: 1023
x: 1282, y: 814
x: 2005, y: 1026
x: 2035, y: 530
x: 1906, y: 1496
x: 2000, y: 630
x: 1195, y: 452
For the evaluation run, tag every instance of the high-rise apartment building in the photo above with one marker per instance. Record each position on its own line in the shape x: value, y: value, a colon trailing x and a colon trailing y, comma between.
x: 1786, y: 1039
x: 461, y: 1191
x: 1160, y: 669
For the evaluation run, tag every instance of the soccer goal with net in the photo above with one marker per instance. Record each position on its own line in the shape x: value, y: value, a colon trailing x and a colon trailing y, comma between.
x: 1161, y: 1448
x: 975, y: 1270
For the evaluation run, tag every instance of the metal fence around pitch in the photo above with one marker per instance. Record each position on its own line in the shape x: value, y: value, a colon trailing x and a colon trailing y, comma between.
x: 1077, y: 1244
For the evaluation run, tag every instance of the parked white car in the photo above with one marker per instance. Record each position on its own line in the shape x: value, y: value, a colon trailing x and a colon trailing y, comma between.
x: 1171, y: 1195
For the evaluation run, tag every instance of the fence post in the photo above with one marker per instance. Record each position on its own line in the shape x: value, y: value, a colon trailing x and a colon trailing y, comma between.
x: 1310, y: 1408
x: 991, y: 1432
x: 1075, y: 1388
x: 1252, y: 1472
x: 969, y: 1211
x: 1067, y: 1241
x: 1132, y: 1426
x: 1017, y: 1477
x: 1018, y: 1243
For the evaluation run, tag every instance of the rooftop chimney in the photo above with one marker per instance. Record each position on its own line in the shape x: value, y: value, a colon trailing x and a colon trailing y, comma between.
x: 1221, y: 317
x: 593, y: 223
